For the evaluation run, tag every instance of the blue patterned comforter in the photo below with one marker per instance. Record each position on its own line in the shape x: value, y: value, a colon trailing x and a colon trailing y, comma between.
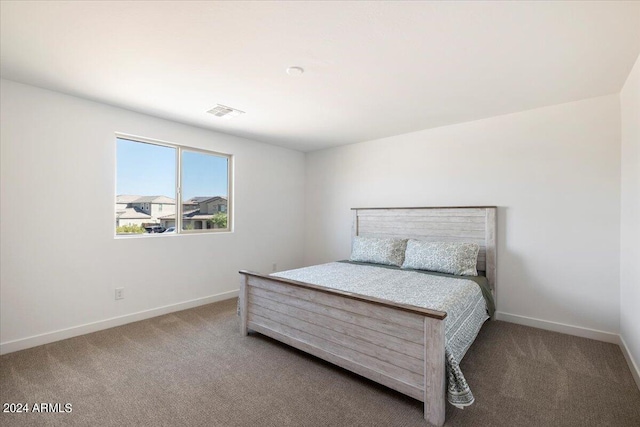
x: 460, y: 298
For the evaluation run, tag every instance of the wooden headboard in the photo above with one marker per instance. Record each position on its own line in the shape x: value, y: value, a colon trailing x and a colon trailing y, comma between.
x: 438, y: 224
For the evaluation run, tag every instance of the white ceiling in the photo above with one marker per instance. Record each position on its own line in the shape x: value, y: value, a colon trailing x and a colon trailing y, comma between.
x: 372, y: 69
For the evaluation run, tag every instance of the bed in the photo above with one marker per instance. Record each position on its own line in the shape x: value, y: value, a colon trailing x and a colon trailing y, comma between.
x: 389, y: 338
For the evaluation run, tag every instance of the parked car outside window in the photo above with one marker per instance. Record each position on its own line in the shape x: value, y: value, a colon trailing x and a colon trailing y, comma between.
x: 155, y: 229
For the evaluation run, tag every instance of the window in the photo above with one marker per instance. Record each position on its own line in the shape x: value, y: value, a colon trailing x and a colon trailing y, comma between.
x: 206, y: 177
x: 161, y: 186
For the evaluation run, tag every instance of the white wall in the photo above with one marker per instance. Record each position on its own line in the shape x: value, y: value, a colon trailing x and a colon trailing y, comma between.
x: 630, y: 217
x: 60, y: 262
x: 554, y: 173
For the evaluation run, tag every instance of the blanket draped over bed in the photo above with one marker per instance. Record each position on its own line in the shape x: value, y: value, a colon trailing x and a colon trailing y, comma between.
x: 461, y: 298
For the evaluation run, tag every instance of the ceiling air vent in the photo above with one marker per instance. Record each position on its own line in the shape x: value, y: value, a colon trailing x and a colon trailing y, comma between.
x: 225, y: 112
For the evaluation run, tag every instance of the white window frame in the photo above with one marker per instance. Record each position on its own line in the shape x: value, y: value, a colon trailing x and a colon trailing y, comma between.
x: 178, y: 182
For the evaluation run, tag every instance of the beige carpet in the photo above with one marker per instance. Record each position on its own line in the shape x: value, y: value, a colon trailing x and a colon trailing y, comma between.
x: 192, y: 368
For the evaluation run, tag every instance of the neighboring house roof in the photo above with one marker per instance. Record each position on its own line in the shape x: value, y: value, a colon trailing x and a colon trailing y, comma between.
x: 133, y: 213
x: 189, y: 215
x: 172, y: 216
x: 155, y: 199
x: 196, y: 215
x: 214, y: 198
x: 126, y: 198
x: 196, y: 200
x: 203, y: 217
x: 133, y: 198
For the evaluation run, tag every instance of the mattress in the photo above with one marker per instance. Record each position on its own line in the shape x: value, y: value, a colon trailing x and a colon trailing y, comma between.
x: 462, y: 298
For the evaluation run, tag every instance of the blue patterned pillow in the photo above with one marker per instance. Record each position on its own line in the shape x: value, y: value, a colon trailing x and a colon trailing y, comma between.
x: 378, y: 251
x: 443, y: 257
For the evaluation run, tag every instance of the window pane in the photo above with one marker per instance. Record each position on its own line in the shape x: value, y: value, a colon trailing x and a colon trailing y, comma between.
x: 145, y: 187
x: 205, y: 191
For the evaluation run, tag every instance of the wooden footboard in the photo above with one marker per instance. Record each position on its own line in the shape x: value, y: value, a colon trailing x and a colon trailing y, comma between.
x: 399, y: 346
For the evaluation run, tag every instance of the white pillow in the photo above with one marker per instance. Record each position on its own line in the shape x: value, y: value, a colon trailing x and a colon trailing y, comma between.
x: 444, y: 257
x: 378, y: 250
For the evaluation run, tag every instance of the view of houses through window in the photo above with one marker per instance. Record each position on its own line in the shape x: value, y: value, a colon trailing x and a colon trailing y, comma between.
x: 170, y: 189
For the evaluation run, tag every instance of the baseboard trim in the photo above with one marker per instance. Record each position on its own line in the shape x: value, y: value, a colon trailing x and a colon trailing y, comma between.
x: 559, y: 327
x: 633, y: 366
x: 62, y: 334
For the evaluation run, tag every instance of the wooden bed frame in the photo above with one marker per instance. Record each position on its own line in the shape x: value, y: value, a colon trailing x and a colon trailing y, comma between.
x: 397, y: 345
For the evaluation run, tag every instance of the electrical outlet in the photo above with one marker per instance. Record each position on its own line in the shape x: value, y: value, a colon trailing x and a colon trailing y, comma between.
x: 119, y: 293
x: 274, y: 267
